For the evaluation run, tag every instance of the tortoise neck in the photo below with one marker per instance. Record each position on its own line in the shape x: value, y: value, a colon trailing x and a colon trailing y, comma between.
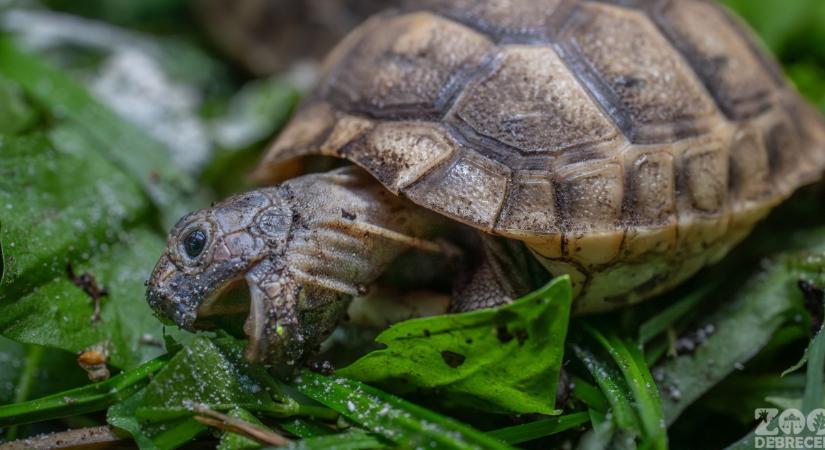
x: 349, y: 228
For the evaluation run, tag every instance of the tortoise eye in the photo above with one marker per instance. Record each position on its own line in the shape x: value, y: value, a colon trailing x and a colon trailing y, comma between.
x: 194, y: 243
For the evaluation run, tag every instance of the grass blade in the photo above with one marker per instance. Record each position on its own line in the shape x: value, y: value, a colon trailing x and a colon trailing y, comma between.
x: 600, y: 436
x: 349, y: 440
x: 743, y: 325
x: 391, y: 417
x: 179, y: 434
x: 665, y: 319
x: 590, y: 395
x: 617, y: 394
x: 86, y: 399
x: 540, y: 428
x: 305, y: 428
x: 632, y: 364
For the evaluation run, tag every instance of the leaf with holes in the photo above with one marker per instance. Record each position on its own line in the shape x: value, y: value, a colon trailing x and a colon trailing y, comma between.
x: 504, y: 359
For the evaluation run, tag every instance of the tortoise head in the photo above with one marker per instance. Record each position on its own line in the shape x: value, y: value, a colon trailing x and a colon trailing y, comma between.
x: 203, y: 274
x: 283, y: 261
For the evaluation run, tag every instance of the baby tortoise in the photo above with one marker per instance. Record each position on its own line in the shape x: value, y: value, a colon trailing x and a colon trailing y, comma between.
x: 626, y: 143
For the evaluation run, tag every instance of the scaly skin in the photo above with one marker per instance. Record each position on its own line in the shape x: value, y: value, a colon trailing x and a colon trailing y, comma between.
x: 304, y: 249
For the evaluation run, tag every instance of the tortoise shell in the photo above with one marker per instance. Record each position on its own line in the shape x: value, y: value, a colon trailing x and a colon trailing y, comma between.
x: 628, y: 143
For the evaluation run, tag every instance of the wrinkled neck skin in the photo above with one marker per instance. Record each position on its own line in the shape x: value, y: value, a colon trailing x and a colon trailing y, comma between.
x: 346, y: 230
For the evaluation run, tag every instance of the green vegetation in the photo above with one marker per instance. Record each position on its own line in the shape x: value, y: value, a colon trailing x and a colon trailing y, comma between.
x: 513, y: 370
x: 87, y: 192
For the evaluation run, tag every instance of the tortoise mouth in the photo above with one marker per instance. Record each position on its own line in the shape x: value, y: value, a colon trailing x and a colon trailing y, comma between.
x: 234, y: 308
x: 226, y: 308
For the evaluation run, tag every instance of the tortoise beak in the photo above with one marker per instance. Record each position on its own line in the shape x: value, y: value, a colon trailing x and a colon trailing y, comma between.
x: 170, y: 310
x: 170, y: 306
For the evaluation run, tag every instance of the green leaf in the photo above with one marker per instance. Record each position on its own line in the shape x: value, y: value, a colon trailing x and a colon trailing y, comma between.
x: 51, y: 216
x: 205, y: 372
x: 52, y: 219
x: 59, y: 314
x: 122, y: 415
x: 15, y: 112
x: 75, y: 196
x: 395, y: 419
x: 125, y: 146
x: 504, y: 359
x: 234, y: 441
x: 210, y: 374
x: 159, y: 436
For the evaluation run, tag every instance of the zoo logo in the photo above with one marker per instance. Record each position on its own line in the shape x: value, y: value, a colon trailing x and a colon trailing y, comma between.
x: 788, y: 428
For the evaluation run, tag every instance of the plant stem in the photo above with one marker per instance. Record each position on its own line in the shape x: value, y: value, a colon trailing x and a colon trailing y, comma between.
x: 226, y: 423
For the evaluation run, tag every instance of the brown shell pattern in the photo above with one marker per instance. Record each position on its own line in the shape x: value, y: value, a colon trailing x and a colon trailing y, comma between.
x: 635, y: 138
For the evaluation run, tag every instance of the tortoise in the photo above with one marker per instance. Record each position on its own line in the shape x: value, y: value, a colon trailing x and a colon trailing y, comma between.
x: 625, y: 143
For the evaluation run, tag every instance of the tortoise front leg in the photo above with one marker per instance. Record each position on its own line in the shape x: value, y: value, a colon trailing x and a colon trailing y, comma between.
x: 503, y: 273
